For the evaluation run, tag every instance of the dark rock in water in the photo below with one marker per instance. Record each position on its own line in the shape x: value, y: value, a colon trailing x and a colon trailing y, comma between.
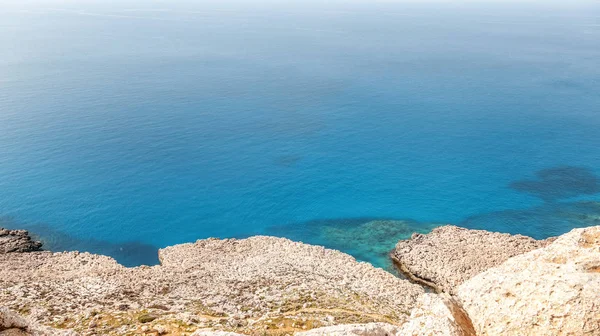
x: 541, y: 222
x: 560, y: 183
x: 17, y: 241
x: 127, y: 253
x: 372, y: 241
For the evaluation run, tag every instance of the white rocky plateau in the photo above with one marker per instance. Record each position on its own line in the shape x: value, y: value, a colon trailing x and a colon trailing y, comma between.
x: 273, y: 286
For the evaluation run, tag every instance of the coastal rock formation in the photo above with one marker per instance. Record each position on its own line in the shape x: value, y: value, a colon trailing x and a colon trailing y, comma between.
x: 550, y: 291
x: 372, y: 240
x: 12, y: 324
x: 450, y: 255
x: 248, y: 285
x: 273, y: 286
x: 17, y: 241
x: 366, y: 239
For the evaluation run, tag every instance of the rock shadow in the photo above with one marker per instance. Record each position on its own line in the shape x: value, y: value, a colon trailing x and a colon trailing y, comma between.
x: 559, y: 183
x: 128, y: 254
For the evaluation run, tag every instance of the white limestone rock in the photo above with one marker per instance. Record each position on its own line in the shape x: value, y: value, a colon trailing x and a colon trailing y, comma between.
x: 551, y: 291
x: 450, y: 255
x: 14, y: 324
x: 240, y: 284
x: 437, y: 315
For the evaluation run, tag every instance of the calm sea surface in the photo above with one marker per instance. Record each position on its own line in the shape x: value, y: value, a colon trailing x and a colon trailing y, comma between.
x: 129, y: 127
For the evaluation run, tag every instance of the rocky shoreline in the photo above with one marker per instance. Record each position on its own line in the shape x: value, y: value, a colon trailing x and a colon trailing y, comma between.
x: 487, y: 284
x: 17, y: 241
x: 450, y: 255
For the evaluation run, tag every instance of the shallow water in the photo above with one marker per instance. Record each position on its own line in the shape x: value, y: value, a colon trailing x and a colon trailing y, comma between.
x: 144, y: 124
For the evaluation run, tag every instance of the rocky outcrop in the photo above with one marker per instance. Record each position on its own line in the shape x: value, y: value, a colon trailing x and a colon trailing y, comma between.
x: 450, y: 255
x: 17, y: 241
x: 550, y: 291
x: 12, y: 324
x: 246, y: 286
x: 273, y: 286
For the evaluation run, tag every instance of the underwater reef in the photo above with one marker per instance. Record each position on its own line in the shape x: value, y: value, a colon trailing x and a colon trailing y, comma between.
x: 366, y: 239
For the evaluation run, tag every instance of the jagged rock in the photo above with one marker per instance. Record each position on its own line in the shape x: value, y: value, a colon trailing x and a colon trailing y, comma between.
x: 12, y: 324
x: 219, y: 282
x: 450, y: 255
x: 550, y: 291
x: 266, y: 283
x: 17, y: 241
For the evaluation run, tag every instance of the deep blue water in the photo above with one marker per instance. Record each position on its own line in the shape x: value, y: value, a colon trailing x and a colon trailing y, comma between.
x: 128, y: 127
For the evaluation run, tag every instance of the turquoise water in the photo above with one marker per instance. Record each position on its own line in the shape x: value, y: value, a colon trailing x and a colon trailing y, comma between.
x: 130, y: 127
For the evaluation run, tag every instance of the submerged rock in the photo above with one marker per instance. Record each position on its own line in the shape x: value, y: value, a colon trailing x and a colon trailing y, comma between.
x: 373, y: 239
x: 366, y: 239
x: 539, y: 222
x: 450, y: 255
x: 17, y: 241
x: 550, y: 291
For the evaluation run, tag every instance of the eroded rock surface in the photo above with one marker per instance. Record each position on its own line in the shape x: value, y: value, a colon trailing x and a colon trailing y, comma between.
x: 17, y: 241
x: 450, y: 255
x: 273, y: 286
x: 437, y: 315
x: 434, y: 315
x: 550, y: 291
x: 12, y: 324
x: 259, y: 283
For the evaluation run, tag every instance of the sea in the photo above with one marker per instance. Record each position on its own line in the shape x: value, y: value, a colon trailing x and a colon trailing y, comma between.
x: 129, y: 126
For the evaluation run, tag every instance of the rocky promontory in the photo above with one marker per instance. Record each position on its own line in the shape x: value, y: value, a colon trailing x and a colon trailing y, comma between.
x: 450, y: 255
x: 17, y: 241
x: 257, y: 284
x: 274, y: 286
